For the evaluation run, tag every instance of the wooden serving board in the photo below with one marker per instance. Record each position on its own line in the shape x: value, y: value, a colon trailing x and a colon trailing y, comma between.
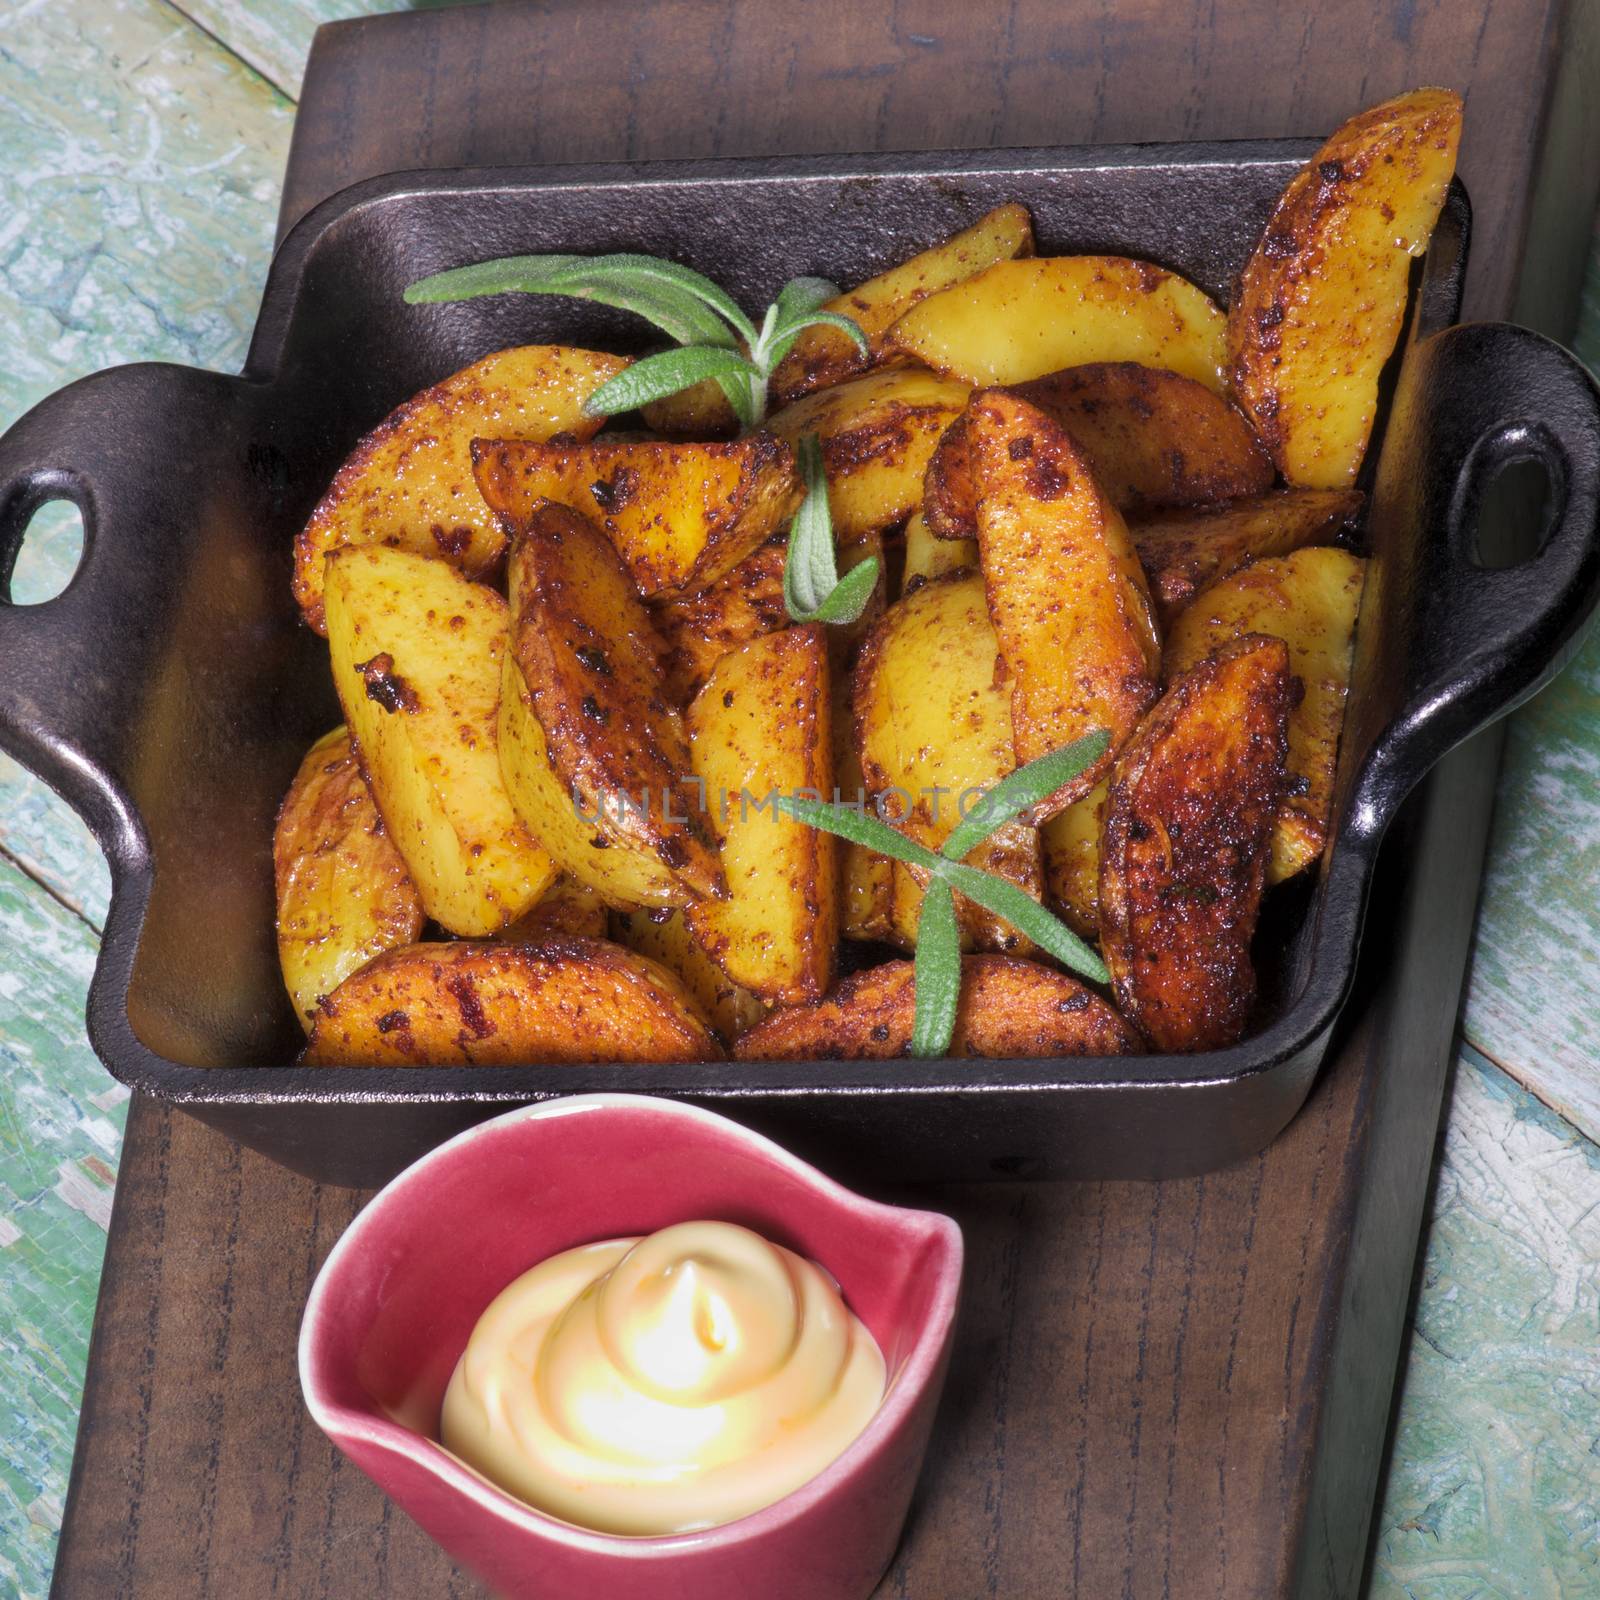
x: 1175, y: 1389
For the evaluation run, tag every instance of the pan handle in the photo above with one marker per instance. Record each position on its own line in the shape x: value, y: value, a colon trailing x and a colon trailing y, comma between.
x: 1457, y: 643
x: 70, y: 667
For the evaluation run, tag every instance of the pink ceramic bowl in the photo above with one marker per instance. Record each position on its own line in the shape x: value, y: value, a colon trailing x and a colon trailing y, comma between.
x: 391, y: 1310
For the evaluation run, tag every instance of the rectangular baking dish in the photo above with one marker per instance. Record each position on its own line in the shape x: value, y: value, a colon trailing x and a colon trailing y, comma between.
x: 169, y: 692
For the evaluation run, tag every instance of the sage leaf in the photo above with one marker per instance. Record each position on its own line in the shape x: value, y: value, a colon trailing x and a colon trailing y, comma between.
x: 1023, y: 789
x: 655, y: 377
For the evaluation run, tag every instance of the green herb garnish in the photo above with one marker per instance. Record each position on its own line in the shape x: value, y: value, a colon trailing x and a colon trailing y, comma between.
x: 717, y: 339
x: 813, y: 591
x: 938, y: 954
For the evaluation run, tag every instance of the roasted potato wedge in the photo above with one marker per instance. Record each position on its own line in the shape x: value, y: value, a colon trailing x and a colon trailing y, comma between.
x: 1309, y: 599
x: 759, y: 728
x: 699, y: 412
x: 865, y: 877
x: 558, y: 1000
x: 595, y: 759
x: 680, y: 515
x: 931, y: 557
x: 1182, y: 551
x: 1021, y: 319
x: 877, y: 434
x: 416, y: 651
x: 343, y: 892
x: 1183, y: 853
x: 1065, y: 590
x: 566, y: 907
x: 664, y: 937
x: 822, y: 356
x: 1151, y: 438
x: 408, y: 484
x: 1071, y: 845
x: 1321, y: 301
x: 1009, y: 1010
x: 933, y: 731
x: 699, y: 629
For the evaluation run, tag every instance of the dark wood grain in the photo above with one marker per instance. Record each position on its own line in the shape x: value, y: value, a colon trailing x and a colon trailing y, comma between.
x: 1174, y: 1390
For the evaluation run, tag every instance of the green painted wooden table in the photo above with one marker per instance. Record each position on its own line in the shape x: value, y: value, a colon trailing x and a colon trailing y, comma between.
x: 144, y: 144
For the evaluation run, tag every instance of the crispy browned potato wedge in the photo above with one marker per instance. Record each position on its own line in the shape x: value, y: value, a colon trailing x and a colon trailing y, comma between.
x: 595, y: 759
x: 416, y: 651
x: 1065, y: 590
x: 877, y: 433
x: 823, y: 356
x: 1182, y: 551
x: 1021, y: 319
x: 567, y: 907
x: 760, y: 728
x: 1151, y: 438
x: 664, y: 937
x: 409, y: 484
x: 930, y: 557
x: 933, y: 731
x: 680, y: 515
x: 1309, y: 599
x: 1321, y: 302
x: 343, y: 891
x: 701, y: 628
x: 559, y: 1000
x: 1071, y: 844
x: 1183, y: 853
x: 1009, y: 1010
x: 865, y: 877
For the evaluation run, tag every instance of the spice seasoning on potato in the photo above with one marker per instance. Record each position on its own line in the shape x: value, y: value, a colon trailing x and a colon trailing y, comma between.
x: 1065, y: 590
x: 1310, y: 600
x: 1321, y: 302
x: 595, y: 757
x: 408, y: 484
x: 343, y: 892
x: 1009, y: 1009
x: 1183, y: 852
x: 557, y: 1000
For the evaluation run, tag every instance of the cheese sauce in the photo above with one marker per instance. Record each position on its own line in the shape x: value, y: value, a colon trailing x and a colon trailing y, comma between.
x: 663, y: 1384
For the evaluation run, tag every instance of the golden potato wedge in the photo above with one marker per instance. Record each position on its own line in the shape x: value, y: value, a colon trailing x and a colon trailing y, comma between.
x: 1309, y: 599
x: 416, y: 652
x: 595, y: 759
x: 1065, y: 590
x: 1021, y: 319
x: 760, y: 728
x: 1009, y: 1010
x: 408, y: 484
x: 1182, y: 551
x: 933, y: 731
x: 680, y: 515
x: 559, y: 1000
x: 865, y: 877
x: 1151, y: 438
x: 664, y: 937
x: 566, y: 907
x: 822, y: 356
x: 1071, y: 845
x: 1321, y: 301
x: 877, y: 433
x: 343, y: 892
x: 699, y: 412
x: 1183, y: 852
x: 931, y: 557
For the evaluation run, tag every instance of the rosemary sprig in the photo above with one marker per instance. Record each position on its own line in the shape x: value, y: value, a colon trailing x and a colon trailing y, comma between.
x: 938, y: 952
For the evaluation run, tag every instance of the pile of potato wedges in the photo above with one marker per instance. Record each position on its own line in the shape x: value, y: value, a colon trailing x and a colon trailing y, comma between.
x: 545, y: 831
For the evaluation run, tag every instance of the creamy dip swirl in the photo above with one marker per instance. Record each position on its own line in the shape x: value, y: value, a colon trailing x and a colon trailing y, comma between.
x: 663, y: 1384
